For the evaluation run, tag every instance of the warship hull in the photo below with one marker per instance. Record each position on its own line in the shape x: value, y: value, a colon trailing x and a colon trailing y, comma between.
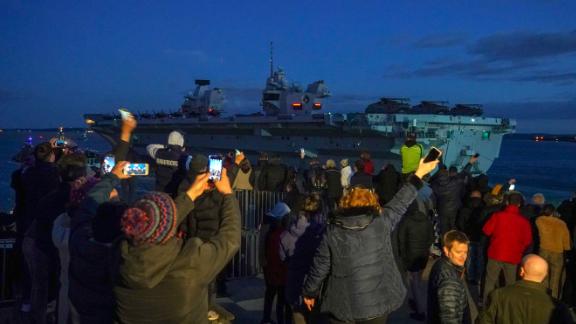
x: 325, y: 135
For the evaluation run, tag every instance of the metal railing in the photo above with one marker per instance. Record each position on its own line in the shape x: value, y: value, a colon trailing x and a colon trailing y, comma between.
x: 253, y: 206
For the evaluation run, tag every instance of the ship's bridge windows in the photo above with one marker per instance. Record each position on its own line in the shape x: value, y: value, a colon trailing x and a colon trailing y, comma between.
x: 271, y: 96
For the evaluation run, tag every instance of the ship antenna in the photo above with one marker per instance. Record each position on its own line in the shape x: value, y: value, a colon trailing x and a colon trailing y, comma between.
x: 271, y: 58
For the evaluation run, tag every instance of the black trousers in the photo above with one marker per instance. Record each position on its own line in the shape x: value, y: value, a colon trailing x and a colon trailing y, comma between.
x: 283, y: 311
x: 378, y: 320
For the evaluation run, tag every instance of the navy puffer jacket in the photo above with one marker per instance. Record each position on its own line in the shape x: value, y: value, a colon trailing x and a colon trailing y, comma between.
x: 356, y: 265
x: 447, y: 294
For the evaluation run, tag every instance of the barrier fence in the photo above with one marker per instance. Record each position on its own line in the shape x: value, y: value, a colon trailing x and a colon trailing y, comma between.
x: 253, y: 206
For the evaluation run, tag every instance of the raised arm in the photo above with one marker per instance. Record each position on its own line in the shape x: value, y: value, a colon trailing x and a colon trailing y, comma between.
x: 397, y: 207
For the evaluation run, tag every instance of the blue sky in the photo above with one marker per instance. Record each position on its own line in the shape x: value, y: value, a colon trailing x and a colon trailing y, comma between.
x: 60, y: 59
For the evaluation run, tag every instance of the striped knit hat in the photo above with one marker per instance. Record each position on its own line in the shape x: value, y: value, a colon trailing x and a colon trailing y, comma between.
x: 152, y: 219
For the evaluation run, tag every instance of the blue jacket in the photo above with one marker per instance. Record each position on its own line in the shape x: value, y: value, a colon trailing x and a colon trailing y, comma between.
x: 355, y: 263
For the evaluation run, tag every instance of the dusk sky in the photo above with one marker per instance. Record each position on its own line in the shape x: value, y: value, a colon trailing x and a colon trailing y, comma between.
x: 61, y: 59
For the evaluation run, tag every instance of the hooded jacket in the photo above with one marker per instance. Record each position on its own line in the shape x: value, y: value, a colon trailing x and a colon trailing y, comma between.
x: 387, y: 183
x: 415, y: 236
x: 355, y: 264
x: 168, y: 283
x: 298, y: 246
x: 471, y: 219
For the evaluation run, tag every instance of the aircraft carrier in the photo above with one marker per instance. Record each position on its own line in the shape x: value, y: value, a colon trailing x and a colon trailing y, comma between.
x: 291, y: 118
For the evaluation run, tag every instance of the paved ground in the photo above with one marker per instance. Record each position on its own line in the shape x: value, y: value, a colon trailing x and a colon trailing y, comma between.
x: 246, y: 302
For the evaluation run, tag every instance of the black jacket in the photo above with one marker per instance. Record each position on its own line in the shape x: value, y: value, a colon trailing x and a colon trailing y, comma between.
x: 355, y: 262
x: 471, y: 219
x: 449, y: 191
x: 447, y: 294
x: 204, y: 220
x: 362, y: 179
x: 38, y: 181
x: 387, y: 183
x: 170, y: 169
x: 272, y: 177
x: 334, y: 185
x: 49, y: 208
x: 415, y: 235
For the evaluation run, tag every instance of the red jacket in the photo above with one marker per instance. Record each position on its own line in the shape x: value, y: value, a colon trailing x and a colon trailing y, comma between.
x: 369, y: 166
x: 510, y: 235
x: 275, y: 270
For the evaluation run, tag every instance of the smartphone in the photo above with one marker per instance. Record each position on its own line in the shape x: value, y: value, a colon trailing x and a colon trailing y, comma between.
x: 432, y: 155
x: 215, y: 167
x: 109, y: 163
x: 512, y: 187
x: 237, y: 152
x: 124, y: 114
x: 137, y: 169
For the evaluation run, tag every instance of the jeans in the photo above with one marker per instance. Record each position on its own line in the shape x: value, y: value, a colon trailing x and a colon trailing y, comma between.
x: 475, y: 265
x: 493, y: 269
x: 555, y: 279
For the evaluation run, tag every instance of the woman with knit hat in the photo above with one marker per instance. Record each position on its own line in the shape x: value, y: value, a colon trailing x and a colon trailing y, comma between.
x: 163, y: 278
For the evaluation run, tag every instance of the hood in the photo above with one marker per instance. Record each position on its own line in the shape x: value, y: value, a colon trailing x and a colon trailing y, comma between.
x: 355, y: 222
x: 474, y: 202
x: 176, y: 138
x: 299, y: 227
x: 410, y: 142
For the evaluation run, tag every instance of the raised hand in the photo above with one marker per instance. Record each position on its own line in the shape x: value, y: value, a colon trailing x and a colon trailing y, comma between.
x: 128, y: 125
x: 199, y: 186
x: 118, y: 170
x: 224, y: 184
x: 425, y: 167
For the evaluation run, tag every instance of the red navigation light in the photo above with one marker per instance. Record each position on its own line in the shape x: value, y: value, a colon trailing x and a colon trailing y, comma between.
x: 297, y: 105
x: 317, y: 105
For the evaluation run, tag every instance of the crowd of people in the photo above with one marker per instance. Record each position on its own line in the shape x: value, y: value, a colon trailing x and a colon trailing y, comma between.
x: 347, y: 244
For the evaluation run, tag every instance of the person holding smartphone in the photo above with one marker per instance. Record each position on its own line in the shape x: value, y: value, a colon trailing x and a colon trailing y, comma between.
x: 354, y: 260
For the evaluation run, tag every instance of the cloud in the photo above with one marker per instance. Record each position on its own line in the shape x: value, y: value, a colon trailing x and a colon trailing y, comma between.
x: 550, y: 77
x: 441, y: 40
x: 524, y: 45
x: 517, y: 56
x: 537, y: 110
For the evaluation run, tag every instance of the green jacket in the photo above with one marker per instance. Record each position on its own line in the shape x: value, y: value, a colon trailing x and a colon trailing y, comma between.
x: 523, y: 302
x: 169, y: 283
x: 411, y: 156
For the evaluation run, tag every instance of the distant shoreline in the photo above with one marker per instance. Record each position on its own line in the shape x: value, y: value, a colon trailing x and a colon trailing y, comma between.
x: 531, y: 135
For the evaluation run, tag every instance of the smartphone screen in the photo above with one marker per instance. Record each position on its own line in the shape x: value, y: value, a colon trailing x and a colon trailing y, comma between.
x: 432, y: 155
x: 124, y: 114
x: 136, y: 169
x: 109, y: 163
x: 215, y: 167
x: 512, y: 187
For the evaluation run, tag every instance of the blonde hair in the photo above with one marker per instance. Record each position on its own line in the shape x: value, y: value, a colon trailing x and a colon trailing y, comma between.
x: 330, y: 164
x: 360, y: 198
x: 311, y: 204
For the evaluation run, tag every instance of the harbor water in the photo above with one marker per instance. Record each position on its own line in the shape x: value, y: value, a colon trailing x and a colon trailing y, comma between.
x: 546, y: 167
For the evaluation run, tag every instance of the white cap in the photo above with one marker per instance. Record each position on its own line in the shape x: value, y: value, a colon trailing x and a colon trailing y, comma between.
x: 175, y: 138
x: 279, y: 211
